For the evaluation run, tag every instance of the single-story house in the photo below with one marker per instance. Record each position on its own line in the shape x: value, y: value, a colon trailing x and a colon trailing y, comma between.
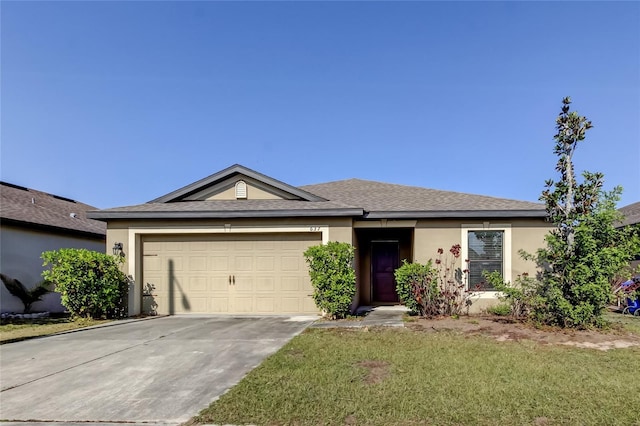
x: 233, y: 242
x: 631, y: 214
x: 32, y: 222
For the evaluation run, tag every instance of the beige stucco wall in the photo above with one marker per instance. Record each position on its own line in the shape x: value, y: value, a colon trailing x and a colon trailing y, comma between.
x: 253, y: 193
x: 20, y: 250
x: 428, y: 236
x: 526, y: 234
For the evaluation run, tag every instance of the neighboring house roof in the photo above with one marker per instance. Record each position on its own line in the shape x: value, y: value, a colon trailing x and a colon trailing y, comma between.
x: 352, y: 197
x: 25, y: 206
x: 631, y: 214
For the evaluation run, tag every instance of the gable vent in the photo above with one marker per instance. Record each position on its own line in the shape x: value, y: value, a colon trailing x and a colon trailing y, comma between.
x: 241, y: 190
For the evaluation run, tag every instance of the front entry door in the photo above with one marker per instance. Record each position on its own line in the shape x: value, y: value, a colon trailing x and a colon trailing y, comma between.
x: 385, y: 259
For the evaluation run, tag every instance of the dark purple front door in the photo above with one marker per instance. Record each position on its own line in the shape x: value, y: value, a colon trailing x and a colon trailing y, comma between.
x: 385, y: 258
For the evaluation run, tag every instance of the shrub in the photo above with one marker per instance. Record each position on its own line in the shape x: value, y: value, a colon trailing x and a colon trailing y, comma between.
x: 501, y: 310
x: 417, y: 287
x: 333, y: 277
x: 27, y: 296
x: 434, y: 290
x: 91, y: 283
x: 522, y: 298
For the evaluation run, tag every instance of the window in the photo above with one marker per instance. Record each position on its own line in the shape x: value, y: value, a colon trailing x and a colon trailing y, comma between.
x: 485, y: 254
x: 486, y: 247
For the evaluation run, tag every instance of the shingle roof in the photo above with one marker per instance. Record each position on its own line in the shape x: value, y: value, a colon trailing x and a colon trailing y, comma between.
x: 385, y: 198
x: 24, y: 205
x: 352, y: 197
x: 631, y: 213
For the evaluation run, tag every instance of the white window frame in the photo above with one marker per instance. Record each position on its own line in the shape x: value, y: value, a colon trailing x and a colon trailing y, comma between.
x: 506, y: 255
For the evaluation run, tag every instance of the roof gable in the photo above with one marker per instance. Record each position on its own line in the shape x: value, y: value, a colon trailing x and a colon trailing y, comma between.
x: 221, y: 186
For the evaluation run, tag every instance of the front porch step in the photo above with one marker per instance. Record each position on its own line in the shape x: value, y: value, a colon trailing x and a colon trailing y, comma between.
x: 373, y: 316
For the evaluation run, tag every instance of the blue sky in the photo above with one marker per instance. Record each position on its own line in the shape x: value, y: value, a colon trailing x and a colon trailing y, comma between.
x: 117, y: 103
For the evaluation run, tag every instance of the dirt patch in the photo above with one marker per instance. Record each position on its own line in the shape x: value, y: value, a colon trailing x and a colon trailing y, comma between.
x: 377, y: 371
x: 296, y: 354
x: 504, y: 330
x: 351, y: 420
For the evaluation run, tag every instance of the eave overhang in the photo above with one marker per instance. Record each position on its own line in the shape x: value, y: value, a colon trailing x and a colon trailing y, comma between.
x: 105, y: 216
x: 447, y: 214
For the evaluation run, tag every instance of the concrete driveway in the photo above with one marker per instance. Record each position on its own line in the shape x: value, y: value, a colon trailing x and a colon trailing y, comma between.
x: 160, y: 371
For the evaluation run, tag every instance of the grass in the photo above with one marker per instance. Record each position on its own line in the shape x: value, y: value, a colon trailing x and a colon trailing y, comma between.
x: 403, y: 377
x: 16, y: 330
x: 627, y: 322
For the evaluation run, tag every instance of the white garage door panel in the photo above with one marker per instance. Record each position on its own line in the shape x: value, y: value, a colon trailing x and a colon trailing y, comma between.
x: 240, y: 274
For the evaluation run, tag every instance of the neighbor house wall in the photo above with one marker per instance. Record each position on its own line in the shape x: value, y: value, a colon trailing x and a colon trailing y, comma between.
x: 20, y: 251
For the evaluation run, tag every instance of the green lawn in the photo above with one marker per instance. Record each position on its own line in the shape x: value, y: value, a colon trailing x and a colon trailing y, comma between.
x: 387, y: 377
x: 16, y: 330
x: 627, y: 322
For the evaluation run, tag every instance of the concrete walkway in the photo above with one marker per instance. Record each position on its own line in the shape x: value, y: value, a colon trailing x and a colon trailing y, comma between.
x: 372, y: 316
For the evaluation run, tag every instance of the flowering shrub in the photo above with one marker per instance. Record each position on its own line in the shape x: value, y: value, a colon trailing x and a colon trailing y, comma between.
x: 436, y: 288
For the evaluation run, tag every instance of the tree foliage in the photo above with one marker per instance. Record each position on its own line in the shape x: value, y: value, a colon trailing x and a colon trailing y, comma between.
x: 27, y: 296
x: 585, y: 250
x: 91, y: 283
x: 333, y: 277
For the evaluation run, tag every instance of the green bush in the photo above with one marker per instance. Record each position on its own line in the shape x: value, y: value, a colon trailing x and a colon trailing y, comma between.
x: 333, y: 277
x: 522, y: 298
x: 430, y: 290
x: 417, y: 287
x: 501, y: 310
x: 91, y: 283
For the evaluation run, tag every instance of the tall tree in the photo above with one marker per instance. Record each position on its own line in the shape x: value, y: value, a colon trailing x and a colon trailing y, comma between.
x: 563, y: 198
x: 585, y: 250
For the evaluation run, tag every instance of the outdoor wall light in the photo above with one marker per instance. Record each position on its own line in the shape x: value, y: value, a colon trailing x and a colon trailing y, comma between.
x: 117, y: 249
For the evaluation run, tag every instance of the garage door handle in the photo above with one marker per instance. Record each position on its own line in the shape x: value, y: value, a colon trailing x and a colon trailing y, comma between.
x: 229, y: 279
x: 234, y: 280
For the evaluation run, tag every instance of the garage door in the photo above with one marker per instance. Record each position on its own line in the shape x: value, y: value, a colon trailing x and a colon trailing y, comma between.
x: 237, y: 274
